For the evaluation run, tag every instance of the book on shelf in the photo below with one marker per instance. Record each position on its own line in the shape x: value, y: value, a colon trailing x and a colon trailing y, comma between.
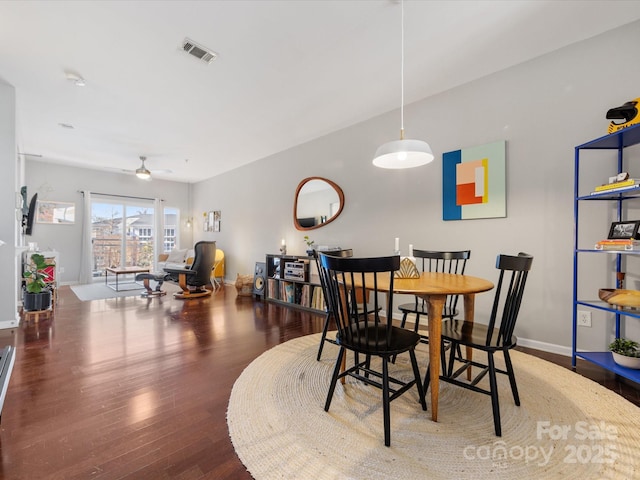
x: 271, y: 288
x: 304, y: 300
x: 625, y: 188
x: 609, y: 186
x: 287, y: 292
x: 317, y: 299
x: 620, y: 244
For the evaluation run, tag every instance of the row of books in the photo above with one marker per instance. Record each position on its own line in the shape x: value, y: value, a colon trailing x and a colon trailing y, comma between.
x: 623, y: 186
x: 618, y: 244
x: 293, y: 292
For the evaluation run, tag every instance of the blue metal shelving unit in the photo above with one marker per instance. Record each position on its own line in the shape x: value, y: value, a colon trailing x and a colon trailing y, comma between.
x: 615, y: 141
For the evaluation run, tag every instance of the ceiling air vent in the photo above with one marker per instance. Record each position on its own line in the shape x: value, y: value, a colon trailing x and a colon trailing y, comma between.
x: 198, y: 51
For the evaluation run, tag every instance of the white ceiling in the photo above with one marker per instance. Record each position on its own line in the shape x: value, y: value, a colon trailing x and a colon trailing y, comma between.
x: 287, y: 72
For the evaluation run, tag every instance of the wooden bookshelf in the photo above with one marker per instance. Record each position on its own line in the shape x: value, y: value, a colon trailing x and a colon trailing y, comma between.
x: 293, y: 281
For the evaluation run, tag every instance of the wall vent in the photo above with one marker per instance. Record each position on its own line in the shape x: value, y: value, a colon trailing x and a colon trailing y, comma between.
x: 198, y: 51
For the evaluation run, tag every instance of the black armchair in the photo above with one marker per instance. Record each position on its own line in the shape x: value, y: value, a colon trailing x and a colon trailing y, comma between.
x: 194, y: 278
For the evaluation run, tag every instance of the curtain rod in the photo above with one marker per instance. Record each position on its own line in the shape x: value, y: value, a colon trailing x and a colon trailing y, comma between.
x: 120, y: 196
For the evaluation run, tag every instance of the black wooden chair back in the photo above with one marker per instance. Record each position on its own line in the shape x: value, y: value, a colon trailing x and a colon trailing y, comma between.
x: 509, y: 292
x: 360, y: 325
x: 444, y: 262
x: 344, y: 253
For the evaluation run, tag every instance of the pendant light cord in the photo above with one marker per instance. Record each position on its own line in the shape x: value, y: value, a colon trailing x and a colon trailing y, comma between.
x: 402, y: 70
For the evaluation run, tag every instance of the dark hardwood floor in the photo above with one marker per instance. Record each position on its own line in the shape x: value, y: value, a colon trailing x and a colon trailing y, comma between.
x: 134, y: 388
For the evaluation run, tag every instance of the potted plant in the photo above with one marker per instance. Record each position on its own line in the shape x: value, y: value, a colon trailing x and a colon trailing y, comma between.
x: 310, y: 243
x: 625, y: 353
x: 37, y: 294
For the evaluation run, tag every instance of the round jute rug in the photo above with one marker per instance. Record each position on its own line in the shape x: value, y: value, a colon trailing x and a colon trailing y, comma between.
x: 567, y: 427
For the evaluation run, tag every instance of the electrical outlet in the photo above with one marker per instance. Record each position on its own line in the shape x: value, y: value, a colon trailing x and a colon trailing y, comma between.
x: 584, y: 318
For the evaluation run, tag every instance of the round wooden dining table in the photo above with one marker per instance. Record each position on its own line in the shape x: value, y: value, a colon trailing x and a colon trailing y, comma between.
x: 434, y: 287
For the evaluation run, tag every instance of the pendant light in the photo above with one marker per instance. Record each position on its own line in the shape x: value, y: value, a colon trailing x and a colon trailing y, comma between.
x: 142, y: 171
x: 403, y: 153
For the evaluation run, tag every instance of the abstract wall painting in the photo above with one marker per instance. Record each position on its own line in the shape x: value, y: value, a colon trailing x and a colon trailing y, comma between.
x: 474, y: 182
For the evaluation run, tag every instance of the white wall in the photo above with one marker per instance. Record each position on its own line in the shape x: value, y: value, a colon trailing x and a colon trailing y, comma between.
x: 8, y: 259
x: 542, y: 108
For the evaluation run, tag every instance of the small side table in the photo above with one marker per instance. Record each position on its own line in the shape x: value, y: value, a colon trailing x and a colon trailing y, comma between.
x: 117, y: 271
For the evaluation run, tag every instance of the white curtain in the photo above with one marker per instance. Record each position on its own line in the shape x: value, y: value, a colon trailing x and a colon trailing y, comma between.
x: 86, y: 260
x: 158, y: 227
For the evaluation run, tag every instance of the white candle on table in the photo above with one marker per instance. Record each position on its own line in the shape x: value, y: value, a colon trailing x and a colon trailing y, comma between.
x: 397, y: 245
x: 410, y: 250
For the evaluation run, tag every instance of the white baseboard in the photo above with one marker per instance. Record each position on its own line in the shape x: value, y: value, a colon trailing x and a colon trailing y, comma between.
x: 544, y: 346
x: 10, y: 323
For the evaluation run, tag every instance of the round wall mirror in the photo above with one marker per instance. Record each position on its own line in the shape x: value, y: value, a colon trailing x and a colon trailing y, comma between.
x: 318, y: 201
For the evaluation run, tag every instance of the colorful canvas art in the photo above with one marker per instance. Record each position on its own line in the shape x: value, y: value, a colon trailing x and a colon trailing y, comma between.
x: 474, y: 182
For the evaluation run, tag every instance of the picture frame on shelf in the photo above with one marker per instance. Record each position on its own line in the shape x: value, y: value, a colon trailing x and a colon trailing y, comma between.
x: 624, y: 230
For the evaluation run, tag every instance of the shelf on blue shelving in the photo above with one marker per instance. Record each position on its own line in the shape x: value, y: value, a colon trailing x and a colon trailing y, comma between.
x: 605, y: 360
x: 623, y: 138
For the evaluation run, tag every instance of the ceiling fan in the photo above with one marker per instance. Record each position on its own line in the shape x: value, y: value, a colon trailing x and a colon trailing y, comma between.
x: 143, y: 172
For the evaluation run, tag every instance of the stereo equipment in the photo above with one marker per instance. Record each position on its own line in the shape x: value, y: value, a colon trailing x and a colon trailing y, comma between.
x: 296, y: 271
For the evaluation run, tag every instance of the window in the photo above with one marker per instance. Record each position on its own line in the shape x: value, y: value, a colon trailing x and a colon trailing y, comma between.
x: 169, y: 240
x: 122, y: 233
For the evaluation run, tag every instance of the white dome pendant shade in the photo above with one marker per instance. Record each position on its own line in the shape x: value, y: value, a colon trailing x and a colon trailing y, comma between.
x: 403, y: 153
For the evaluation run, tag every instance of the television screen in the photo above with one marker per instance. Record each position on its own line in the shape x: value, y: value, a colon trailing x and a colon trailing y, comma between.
x: 27, y: 220
x: 307, y: 222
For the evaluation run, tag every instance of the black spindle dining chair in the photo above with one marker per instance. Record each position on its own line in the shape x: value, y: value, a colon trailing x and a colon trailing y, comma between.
x: 497, y: 336
x: 363, y: 330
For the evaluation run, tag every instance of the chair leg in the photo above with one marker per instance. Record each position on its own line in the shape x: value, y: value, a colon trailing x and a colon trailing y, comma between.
x: 404, y: 319
x: 385, y: 401
x: 494, y: 394
x: 417, y: 323
x: 334, y: 379
x: 512, y: 377
x: 324, y: 335
x: 454, y: 347
x: 367, y: 366
x: 427, y: 379
x: 403, y: 322
x: 416, y: 374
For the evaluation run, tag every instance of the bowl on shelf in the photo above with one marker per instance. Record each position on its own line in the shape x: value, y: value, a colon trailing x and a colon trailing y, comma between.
x: 620, y: 297
x: 629, y: 362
